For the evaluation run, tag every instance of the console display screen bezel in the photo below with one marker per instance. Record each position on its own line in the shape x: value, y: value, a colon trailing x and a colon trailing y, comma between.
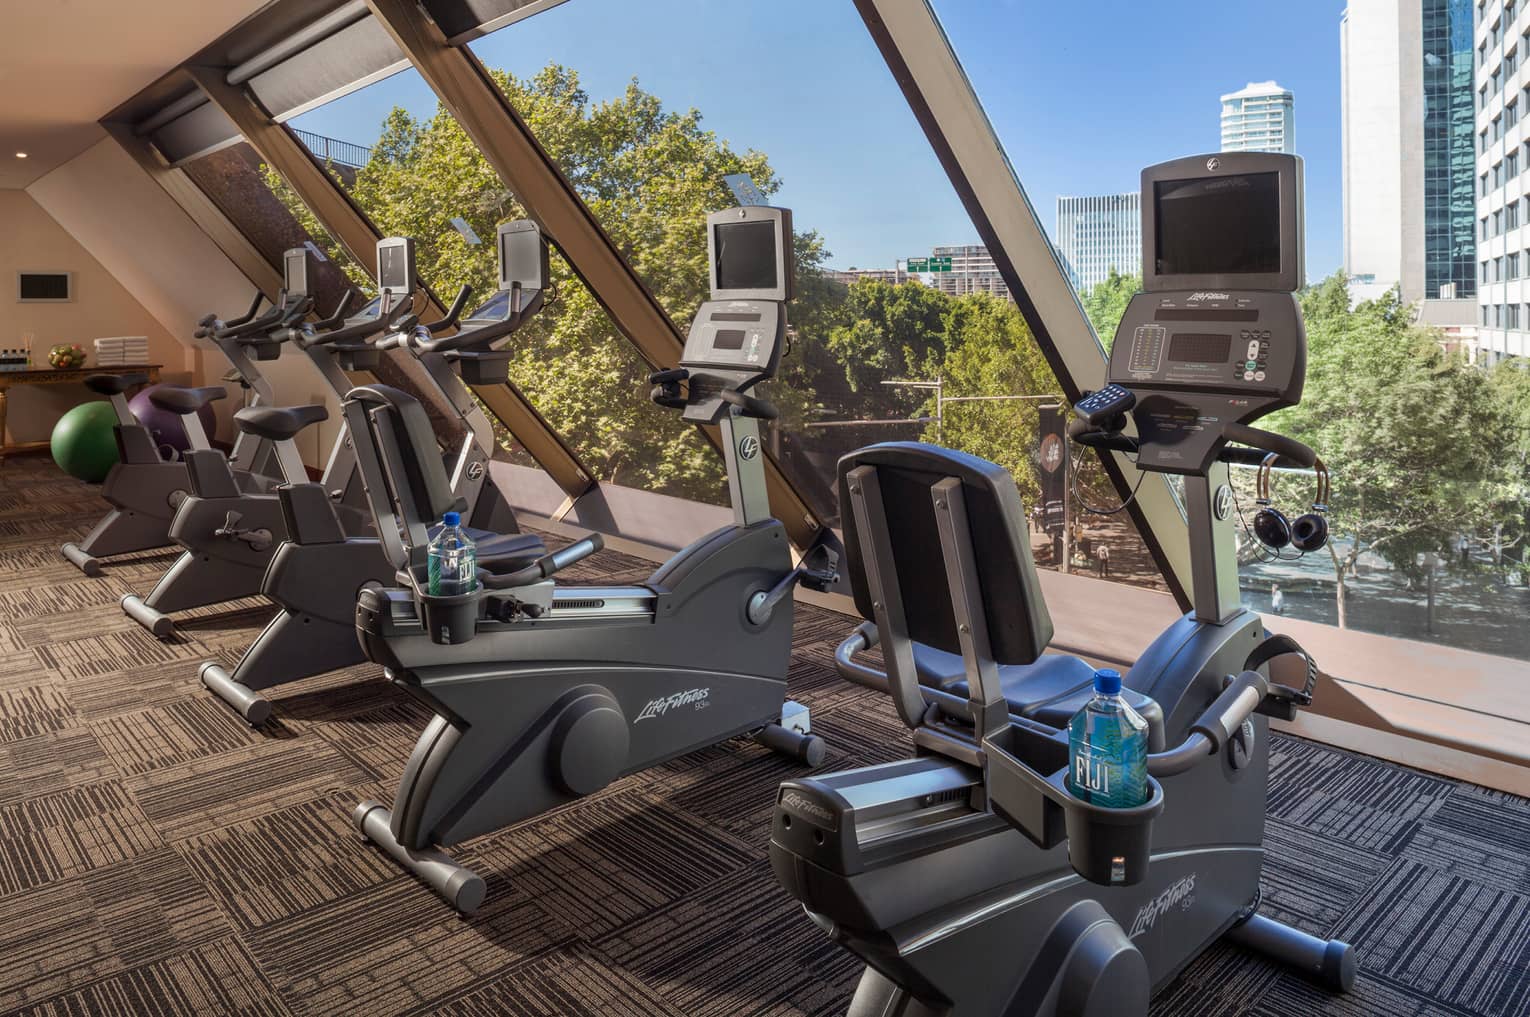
x: 1288, y: 169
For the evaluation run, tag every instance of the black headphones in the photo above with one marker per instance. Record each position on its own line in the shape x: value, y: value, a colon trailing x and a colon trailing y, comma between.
x: 1308, y: 532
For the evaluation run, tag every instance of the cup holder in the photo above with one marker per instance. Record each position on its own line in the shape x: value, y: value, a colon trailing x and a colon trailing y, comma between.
x: 451, y: 620
x: 488, y: 368
x: 358, y: 360
x: 1027, y: 777
x: 1109, y: 846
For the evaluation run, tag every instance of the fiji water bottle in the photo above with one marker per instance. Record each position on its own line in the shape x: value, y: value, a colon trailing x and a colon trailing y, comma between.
x: 451, y: 560
x: 1107, y: 748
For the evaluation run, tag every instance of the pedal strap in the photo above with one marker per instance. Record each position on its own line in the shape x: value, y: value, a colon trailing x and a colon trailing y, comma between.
x: 1278, y: 646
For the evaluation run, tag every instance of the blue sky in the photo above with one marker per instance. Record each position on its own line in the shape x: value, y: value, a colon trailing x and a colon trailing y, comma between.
x: 1082, y: 96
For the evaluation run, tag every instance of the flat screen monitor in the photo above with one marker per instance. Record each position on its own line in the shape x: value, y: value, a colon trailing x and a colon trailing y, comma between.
x: 395, y: 265
x: 522, y: 255
x: 1226, y: 221
x: 750, y: 250
x: 295, y: 273
x: 746, y: 256
x: 1228, y: 224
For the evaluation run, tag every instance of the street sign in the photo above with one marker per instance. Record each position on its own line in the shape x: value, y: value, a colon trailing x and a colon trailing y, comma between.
x: 941, y: 264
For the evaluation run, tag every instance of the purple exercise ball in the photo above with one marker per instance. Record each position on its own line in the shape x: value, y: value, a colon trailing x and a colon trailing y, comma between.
x: 164, y: 425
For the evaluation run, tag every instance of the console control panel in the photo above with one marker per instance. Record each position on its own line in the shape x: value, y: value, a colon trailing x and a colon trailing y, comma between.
x: 1198, y: 360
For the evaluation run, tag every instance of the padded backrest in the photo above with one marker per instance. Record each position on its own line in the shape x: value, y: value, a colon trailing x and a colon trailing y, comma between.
x: 423, y: 471
x: 1019, y: 626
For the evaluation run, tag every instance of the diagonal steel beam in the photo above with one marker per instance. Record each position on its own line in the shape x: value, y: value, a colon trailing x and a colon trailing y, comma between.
x: 355, y: 231
x: 482, y: 110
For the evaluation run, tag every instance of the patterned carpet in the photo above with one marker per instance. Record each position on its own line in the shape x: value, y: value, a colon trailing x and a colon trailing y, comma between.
x: 158, y: 857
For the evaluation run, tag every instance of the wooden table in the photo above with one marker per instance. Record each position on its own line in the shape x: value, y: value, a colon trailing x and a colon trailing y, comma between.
x: 55, y: 376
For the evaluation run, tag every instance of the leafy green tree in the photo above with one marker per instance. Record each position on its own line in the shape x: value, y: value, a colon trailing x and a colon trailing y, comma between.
x: 1105, y: 303
x: 1511, y: 533
x: 993, y: 353
x: 886, y: 332
x: 650, y: 176
x: 1412, y: 434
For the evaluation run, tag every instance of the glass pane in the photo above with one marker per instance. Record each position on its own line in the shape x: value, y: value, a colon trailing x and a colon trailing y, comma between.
x: 902, y: 328
x: 422, y: 172
x: 1416, y: 311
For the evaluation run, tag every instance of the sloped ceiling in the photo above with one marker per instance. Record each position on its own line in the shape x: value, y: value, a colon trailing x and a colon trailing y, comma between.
x: 64, y: 64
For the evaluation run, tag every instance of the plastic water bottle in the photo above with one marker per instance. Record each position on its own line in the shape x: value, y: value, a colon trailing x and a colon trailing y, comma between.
x: 1107, y: 748
x: 451, y: 560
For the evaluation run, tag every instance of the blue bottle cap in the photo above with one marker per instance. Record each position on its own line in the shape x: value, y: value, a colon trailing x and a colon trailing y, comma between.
x: 455, y: 519
x: 1107, y: 682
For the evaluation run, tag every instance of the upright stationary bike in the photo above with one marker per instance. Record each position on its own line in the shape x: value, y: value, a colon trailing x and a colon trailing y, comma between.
x: 230, y: 534
x: 546, y: 692
x: 319, y: 571
x: 970, y: 879
x: 147, y: 483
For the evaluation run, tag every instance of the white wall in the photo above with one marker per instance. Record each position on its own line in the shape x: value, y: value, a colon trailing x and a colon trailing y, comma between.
x: 143, y: 238
x: 31, y: 241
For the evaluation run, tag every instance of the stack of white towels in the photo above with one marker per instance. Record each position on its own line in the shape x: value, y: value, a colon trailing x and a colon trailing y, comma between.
x: 122, y: 350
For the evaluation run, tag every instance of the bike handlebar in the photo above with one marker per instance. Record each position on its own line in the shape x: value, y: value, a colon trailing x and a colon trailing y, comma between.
x: 1290, y: 449
x: 360, y: 330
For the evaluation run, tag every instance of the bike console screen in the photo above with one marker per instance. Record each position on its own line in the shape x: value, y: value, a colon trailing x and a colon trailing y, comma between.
x: 1216, y: 336
x: 746, y: 255
x: 737, y: 336
x: 395, y: 269
x: 1224, y: 225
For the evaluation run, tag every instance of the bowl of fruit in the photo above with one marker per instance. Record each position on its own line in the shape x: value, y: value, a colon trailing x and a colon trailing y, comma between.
x: 67, y: 355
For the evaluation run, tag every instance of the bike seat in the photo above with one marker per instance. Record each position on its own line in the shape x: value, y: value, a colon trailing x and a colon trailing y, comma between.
x: 186, y: 400
x: 115, y: 384
x: 505, y: 552
x: 1050, y: 690
x: 278, y: 423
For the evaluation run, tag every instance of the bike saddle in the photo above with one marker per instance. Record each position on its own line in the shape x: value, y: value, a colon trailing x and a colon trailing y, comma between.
x: 186, y: 400
x: 278, y: 423
x: 115, y: 384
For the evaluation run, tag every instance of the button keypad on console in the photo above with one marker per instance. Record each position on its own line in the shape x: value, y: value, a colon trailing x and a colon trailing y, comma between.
x: 1257, y: 355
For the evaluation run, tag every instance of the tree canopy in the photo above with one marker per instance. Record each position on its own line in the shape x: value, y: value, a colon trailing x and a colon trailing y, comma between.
x: 1414, y: 435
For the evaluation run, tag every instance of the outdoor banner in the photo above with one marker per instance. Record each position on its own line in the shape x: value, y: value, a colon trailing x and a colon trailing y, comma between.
x: 1052, y: 460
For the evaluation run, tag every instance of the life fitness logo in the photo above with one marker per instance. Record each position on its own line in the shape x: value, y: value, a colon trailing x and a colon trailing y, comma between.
x: 475, y: 471
x: 807, y: 808
x: 659, y: 707
x: 1179, y: 894
x: 749, y: 448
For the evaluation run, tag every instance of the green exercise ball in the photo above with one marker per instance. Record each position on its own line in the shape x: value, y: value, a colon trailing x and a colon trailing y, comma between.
x: 84, y: 444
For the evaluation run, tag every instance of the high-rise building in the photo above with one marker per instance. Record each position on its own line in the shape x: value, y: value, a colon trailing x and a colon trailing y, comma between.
x: 1408, y: 166
x: 1259, y: 118
x: 1502, y: 144
x: 972, y: 271
x: 1098, y: 233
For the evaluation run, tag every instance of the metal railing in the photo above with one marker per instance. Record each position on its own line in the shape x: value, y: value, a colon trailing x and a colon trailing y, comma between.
x: 341, y: 153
